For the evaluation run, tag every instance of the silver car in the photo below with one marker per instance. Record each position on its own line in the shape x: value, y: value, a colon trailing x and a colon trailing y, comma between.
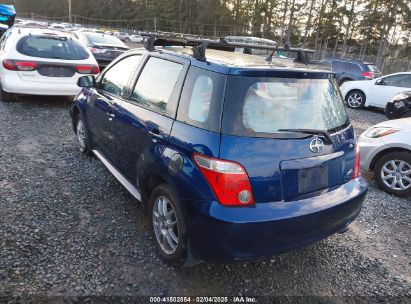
x: 386, y: 149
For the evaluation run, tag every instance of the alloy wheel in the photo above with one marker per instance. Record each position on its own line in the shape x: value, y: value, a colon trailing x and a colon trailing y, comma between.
x: 396, y: 174
x: 355, y: 100
x: 165, y: 225
x: 81, y: 135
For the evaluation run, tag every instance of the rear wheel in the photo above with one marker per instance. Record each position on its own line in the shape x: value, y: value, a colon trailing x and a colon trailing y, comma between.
x: 355, y: 99
x: 393, y: 173
x: 169, y: 226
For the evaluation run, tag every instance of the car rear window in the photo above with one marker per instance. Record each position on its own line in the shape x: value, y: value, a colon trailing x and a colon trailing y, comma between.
x: 105, y: 40
x: 372, y: 68
x: 51, y: 47
x: 261, y: 107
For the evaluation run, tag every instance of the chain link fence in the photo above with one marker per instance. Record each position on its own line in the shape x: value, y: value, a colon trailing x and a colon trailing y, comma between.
x: 387, y: 65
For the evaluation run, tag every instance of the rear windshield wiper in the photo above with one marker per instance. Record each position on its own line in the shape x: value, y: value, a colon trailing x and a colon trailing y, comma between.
x: 310, y: 131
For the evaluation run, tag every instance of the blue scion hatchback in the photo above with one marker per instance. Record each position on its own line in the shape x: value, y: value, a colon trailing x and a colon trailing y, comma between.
x: 232, y: 157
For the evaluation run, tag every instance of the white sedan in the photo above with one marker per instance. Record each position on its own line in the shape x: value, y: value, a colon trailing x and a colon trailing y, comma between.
x: 386, y: 149
x: 376, y: 92
x: 136, y: 38
x: 42, y: 62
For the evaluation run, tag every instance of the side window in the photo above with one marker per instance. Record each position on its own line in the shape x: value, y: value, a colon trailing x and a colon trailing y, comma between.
x: 156, y: 83
x: 115, y: 79
x: 337, y: 65
x: 402, y: 80
x: 201, y: 99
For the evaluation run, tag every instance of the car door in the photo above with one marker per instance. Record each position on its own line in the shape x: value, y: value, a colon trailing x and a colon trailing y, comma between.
x: 144, y: 122
x: 104, y: 101
x: 386, y: 88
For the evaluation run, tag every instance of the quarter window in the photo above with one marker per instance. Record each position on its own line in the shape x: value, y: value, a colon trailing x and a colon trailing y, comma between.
x: 156, y: 83
x: 201, y: 99
x: 115, y: 79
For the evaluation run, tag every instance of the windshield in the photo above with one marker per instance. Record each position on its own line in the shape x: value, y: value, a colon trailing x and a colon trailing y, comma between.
x: 105, y: 40
x: 52, y: 47
x: 260, y: 107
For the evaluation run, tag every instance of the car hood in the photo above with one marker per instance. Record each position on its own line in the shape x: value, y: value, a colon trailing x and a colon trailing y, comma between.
x: 403, y: 123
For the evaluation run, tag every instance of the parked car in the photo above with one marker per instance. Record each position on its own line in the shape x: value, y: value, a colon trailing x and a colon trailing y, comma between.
x: 105, y: 48
x: 377, y: 92
x: 60, y: 27
x: 399, y: 106
x: 386, y: 149
x: 136, y: 38
x: 232, y: 157
x: 352, y: 69
x: 122, y: 36
x: 42, y: 62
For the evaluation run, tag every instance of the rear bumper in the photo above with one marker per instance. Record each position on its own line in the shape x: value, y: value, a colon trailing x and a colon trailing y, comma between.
x: 222, y: 234
x: 14, y: 84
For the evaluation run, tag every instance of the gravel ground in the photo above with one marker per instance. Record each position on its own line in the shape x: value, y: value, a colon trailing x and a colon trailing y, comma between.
x: 68, y: 228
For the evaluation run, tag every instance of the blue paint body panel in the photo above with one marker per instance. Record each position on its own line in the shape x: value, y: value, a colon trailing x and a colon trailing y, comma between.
x: 141, y: 143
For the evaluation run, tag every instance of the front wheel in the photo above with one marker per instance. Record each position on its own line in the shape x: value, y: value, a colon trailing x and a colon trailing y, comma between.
x: 82, y: 137
x: 355, y: 99
x: 393, y: 173
x: 169, y: 226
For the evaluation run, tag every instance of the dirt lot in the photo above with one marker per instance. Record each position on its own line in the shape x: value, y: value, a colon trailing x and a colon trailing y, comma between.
x: 68, y: 228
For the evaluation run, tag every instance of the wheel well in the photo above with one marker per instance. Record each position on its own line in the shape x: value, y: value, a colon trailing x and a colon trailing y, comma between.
x: 385, y: 152
x: 345, y: 79
x: 150, y: 183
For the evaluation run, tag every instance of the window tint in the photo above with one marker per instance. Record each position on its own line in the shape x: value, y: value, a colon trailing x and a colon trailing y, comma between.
x: 201, y: 99
x: 156, y: 84
x: 105, y: 40
x: 351, y: 67
x: 402, y: 80
x: 115, y: 79
x: 259, y: 107
x: 51, y: 47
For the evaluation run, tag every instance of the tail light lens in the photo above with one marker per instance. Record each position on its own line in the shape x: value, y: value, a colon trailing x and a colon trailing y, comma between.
x: 229, y: 180
x: 356, y: 163
x: 368, y: 74
x: 87, y: 69
x: 15, y: 65
x: 97, y: 51
x: 9, y: 65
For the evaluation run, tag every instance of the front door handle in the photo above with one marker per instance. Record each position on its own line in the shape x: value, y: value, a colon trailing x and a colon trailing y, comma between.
x: 155, y: 133
x: 110, y: 115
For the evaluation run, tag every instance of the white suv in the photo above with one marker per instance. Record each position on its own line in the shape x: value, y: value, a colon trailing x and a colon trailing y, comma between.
x: 42, y: 62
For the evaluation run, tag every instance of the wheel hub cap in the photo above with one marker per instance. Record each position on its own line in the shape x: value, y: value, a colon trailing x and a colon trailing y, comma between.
x: 396, y: 174
x: 165, y: 225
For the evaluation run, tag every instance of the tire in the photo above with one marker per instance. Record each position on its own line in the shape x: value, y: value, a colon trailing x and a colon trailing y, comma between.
x: 127, y: 40
x: 393, y: 173
x: 83, y: 139
x: 168, y: 226
x: 355, y: 99
x: 406, y: 114
x: 4, y: 96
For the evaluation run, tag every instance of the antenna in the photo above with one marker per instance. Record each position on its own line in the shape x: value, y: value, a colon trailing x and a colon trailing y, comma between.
x: 199, y: 51
x: 270, y: 57
x: 149, y: 43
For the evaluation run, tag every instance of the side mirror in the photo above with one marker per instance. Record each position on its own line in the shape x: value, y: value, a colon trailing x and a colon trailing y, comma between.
x: 380, y: 82
x: 86, y: 81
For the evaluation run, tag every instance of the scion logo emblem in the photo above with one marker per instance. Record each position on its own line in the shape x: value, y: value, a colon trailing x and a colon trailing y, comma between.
x: 316, y: 145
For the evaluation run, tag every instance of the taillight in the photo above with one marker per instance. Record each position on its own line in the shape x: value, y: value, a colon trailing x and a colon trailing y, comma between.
x: 97, y: 51
x: 229, y: 180
x: 356, y: 163
x: 9, y: 65
x: 87, y: 69
x: 368, y: 74
x: 25, y: 65
x: 16, y: 65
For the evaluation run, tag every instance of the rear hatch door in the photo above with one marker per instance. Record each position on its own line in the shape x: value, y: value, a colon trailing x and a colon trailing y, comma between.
x: 292, y: 135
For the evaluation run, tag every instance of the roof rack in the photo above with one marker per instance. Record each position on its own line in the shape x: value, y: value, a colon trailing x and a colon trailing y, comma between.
x: 200, y: 45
